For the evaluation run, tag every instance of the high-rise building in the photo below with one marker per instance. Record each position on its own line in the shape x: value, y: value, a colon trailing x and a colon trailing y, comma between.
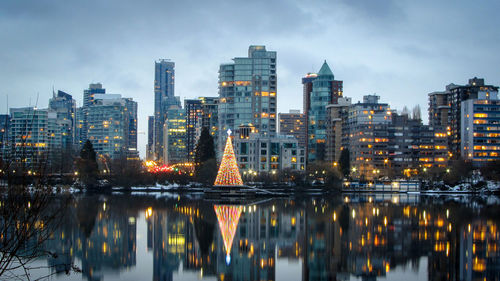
x: 4, y: 136
x: 164, y: 100
x: 439, y: 109
x: 88, y: 100
x: 209, y: 115
x: 174, y: 133
x: 247, y: 93
x: 480, y: 128
x: 453, y: 96
x: 336, y: 128
x: 320, y: 90
x: 294, y: 124
x: 110, y: 129
x: 413, y: 147
x: 150, y: 145
x: 368, y: 139
x: 64, y: 106
x: 193, y: 119
x: 29, y: 136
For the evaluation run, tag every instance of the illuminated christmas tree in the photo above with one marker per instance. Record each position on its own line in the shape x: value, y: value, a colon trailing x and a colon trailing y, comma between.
x: 228, y: 217
x: 228, y: 174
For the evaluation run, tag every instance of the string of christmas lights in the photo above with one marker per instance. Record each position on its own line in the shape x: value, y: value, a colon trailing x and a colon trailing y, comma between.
x: 228, y: 173
x: 228, y: 218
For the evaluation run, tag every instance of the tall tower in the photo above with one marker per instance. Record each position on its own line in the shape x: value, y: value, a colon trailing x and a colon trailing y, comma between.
x: 320, y: 90
x: 88, y: 100
x: 247, y: 93
x: 164, y: 99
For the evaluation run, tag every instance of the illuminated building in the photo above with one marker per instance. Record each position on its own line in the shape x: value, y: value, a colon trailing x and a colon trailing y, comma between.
x: 413, y: 146
x: 248, y: 93
x: 193, y: 122
x: 112, y: 126
x: 174, y: 132
x: 336, y: 128
x: 209, y: 116
x: 271, y: 153
x: 448, y: 103
x: 368, y: 140
x: 164, y: 100
x: 4, y: 135
x: 88, y: 100
x: 64, y: 105
x: 320, y: 90
x: 480, y: 128
x: 150, y: 145
x: 294, y: 124
x: 33, y: 135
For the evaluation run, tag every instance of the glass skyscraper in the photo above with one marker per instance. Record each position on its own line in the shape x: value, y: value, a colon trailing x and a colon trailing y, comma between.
x: 247, y: 93
x: 319, y: 91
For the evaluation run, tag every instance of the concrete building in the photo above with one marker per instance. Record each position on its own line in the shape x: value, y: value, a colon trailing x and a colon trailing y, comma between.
x: 368, y: 140
x: 453, y: 96
x: 64, y: 106
x: 150, y: 145
x: 193, y: 126
x: 336, y: 129
x: 112, y: 126
x: 29, y: 138
x: 174, y: 133
x: 164, y: 100
x: 319, y: 91
x: 88, y: 100
x: 414, y: 147
x: 248, y: 93
x: 480, y: 128
x: 4, y: 136
x: 209, y: 115
x: 294, y: 124
x: 267, y: 153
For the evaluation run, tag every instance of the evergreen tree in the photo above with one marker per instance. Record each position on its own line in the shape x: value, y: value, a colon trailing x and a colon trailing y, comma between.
x: 204, y: 157
x: 204, y: 148
x: 87, y: 166
x: 345, y: 163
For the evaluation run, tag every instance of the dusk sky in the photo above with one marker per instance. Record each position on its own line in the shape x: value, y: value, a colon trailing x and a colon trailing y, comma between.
x: 400, y: 50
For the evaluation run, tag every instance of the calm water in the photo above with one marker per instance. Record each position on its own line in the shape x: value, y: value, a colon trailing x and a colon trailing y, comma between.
x: 350, y: 237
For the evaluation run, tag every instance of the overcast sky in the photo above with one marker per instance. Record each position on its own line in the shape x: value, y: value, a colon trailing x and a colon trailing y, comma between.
x: 401, y: 50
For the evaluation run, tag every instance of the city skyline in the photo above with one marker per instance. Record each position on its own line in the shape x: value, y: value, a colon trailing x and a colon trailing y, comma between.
x: 385, y: 48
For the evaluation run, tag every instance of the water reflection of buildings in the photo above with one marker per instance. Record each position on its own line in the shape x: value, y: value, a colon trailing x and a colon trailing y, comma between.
x: 103, y: 239
x: 365, y: 236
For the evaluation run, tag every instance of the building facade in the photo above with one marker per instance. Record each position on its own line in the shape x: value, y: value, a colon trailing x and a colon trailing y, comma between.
x: 368, y: 140
x: 164, y: 100
x: 193, y: 125
x: 319, y: 91
x: 88, y: 100
x: 294, y: 124
x: 336, y: 129
x: 64, y: 106
x: 112, y: 126
x: 267, y: 153
x: 4, y: 136
x: 150, y: 145
x: 451, y: 117
x: 480, y: 128
x: 248, y: 93
x: 174, y: 133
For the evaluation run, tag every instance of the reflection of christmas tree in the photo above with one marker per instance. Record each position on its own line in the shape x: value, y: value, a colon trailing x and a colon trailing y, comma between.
x: 228, y: 217
x: 228, y: 174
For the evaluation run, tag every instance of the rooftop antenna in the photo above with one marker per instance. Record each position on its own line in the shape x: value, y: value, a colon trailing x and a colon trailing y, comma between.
x: 53, y: 92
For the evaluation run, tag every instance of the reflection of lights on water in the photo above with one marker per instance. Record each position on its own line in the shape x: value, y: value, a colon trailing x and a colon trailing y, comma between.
x: 353, y: 213
x: 334, y: 216
x: 447, y: 213
x: 228, y: 259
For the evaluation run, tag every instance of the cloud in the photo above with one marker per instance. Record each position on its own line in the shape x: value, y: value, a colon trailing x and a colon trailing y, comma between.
x: 394, y: 48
